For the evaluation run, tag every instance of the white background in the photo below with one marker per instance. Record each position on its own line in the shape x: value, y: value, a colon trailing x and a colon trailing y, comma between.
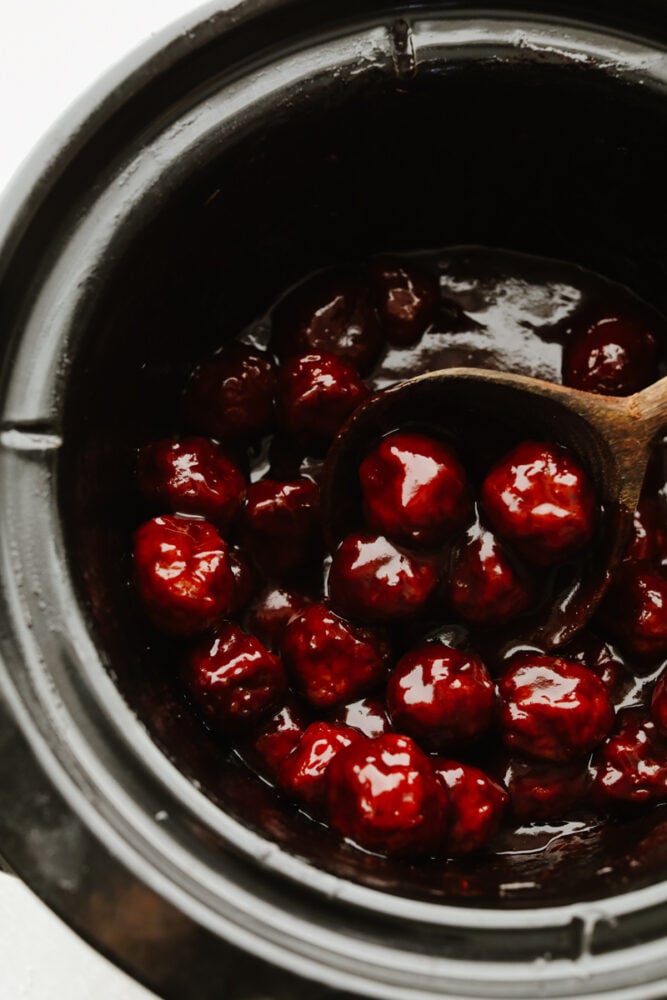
x: 50, y: 52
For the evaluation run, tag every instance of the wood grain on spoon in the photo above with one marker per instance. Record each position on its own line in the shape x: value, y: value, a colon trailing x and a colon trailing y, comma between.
x: 612, y: 438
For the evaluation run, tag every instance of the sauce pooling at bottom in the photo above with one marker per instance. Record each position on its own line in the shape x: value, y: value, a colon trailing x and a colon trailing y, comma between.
x: 371, y: 685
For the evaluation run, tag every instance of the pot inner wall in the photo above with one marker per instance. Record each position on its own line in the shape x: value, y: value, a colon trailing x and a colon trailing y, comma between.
x: 548, y: 156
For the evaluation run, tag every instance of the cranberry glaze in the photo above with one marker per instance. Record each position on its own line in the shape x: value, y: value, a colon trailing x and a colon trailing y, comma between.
x: 372, y: 684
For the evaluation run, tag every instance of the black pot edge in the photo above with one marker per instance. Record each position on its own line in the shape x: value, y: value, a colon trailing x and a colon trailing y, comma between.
x: 28, y: 191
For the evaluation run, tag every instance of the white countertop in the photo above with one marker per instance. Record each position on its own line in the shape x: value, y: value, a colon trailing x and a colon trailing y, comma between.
x: 49, y: 54
x: 42, y: 959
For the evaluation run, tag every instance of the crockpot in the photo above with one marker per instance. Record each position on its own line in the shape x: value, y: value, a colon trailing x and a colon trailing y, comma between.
x: 241, y: 149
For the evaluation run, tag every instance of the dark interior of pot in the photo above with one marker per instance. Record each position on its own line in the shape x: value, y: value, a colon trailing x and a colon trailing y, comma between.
x: 569, y: 163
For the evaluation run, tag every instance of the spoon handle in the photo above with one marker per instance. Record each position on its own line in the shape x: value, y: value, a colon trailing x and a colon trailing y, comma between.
x: 629, y: 426
x: 645, y: 415
x: 624, y: 427
x: 650, y: 407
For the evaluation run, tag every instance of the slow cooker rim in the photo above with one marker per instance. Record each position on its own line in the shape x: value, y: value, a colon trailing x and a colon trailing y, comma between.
x: 34, y: 183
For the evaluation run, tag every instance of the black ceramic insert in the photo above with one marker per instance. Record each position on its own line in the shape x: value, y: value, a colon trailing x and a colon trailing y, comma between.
x: 466, y: 152
x: 195, y: 195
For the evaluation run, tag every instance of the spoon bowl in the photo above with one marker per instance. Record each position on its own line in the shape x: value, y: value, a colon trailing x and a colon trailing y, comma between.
x: 611, y: 438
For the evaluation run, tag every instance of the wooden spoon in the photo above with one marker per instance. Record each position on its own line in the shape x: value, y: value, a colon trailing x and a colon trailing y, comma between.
x: 612, y: 437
